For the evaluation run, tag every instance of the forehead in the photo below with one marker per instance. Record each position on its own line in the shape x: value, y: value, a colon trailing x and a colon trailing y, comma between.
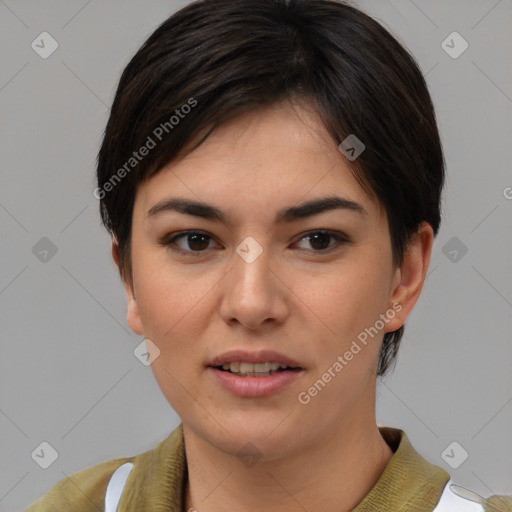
x: 281, y: 154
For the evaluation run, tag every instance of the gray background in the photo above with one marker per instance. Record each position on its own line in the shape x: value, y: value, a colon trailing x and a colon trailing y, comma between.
x: 68, y: 373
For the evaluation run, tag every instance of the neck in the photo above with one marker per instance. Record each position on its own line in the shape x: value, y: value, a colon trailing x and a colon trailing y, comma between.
x: 334, y: 473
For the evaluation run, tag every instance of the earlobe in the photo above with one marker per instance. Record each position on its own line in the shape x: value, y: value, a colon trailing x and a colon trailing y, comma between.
x: 410, y: 277
x: 132, y: 310
x: 133, y: 315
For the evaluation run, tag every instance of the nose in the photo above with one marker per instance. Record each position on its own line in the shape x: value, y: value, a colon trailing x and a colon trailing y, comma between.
x: 254, y: 293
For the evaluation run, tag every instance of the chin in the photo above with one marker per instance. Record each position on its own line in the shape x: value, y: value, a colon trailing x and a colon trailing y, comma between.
x: 263, y: 432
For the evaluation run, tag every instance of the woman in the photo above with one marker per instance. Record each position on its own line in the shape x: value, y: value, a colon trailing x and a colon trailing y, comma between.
x: 271, y: 176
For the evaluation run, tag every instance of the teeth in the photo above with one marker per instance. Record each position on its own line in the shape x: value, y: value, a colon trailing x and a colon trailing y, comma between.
x: 248, y: 368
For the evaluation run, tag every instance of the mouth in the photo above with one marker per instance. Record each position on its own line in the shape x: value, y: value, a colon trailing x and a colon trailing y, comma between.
x: 246, y: 369
x: 254, y: 374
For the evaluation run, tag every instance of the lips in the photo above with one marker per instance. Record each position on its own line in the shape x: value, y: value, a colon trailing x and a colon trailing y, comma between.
x: 255, y: 357
x: 254, y: 384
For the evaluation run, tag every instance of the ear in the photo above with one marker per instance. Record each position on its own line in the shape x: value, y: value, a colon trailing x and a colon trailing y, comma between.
x: 409, y: 278
x: 132, y: 310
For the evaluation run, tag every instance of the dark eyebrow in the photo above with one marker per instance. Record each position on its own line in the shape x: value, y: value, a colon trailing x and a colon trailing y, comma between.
x: 307, y: 209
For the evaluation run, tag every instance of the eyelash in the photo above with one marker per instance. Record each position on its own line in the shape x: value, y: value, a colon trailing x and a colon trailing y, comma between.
x: 169, y: 241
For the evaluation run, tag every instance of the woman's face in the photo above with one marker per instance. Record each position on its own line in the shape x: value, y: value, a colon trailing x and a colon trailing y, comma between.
x: 252, y: 283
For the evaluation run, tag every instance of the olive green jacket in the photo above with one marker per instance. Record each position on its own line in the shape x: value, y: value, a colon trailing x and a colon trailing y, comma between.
x: 157, y: 478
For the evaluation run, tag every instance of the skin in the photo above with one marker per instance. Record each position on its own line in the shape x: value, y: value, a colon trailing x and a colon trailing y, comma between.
x: 294, y: 298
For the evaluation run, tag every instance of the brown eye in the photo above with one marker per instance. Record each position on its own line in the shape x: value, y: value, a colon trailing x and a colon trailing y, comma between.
x: 192, y: 242
x: 196, y: 241
x: 319, y: 240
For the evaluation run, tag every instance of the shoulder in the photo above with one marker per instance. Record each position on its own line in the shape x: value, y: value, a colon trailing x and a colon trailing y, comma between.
x: 83, y: 491
x: 416, y: 480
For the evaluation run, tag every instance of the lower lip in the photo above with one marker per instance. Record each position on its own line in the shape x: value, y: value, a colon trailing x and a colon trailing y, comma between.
x: 255, y: 386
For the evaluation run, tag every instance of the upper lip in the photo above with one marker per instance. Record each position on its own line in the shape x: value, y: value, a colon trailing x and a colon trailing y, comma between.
x: 261, y: 356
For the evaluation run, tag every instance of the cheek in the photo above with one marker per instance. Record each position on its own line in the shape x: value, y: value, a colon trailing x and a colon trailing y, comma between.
x: 350, y: 305
x: 353, y: 299
x: 174, y: 317
x: 172, y: 305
